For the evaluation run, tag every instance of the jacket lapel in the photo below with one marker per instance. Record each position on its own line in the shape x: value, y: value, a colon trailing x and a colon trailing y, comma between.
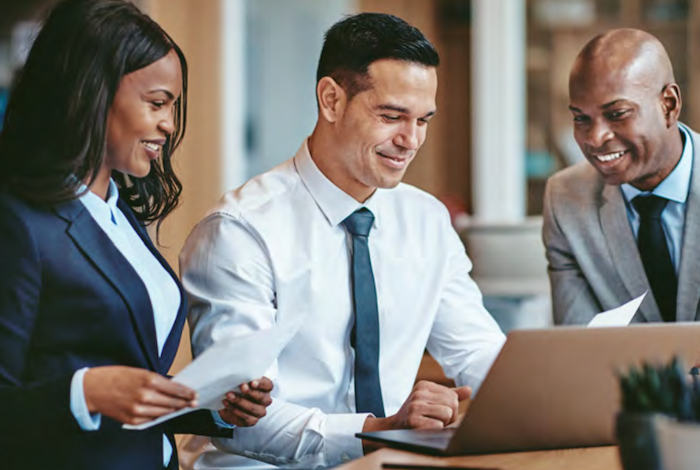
x: 172, y: 343
x: 624, y: 252
x: 109, y: 261
x: 689, y: 272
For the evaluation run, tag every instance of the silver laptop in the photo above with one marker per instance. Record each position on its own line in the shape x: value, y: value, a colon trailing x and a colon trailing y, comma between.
x: 552, y: 389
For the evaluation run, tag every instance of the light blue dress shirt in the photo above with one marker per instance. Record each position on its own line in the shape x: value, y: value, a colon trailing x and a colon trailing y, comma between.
x: 674, y: 188
x: 162, y: 290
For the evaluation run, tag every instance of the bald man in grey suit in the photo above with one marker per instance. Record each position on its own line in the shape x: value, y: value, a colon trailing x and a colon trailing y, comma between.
x: 625, y: 106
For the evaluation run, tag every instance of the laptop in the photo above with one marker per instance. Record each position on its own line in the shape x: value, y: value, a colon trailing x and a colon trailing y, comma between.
x: 551, y: 389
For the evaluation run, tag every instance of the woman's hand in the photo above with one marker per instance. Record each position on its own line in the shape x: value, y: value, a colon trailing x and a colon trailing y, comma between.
x: 245, y: 408
x: 134, y: 396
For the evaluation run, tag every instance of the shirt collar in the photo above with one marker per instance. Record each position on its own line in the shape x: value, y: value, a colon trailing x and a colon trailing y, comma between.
x: 335, y: 203
x: 676, y: 185
x: 95, y: 204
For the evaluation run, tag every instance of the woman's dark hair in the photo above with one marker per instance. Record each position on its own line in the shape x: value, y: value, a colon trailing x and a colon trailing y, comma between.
x: 354, y: 43
x: 55, y: 125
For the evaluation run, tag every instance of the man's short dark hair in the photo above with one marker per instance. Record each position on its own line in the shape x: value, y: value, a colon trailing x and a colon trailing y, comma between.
x: 354, y: 43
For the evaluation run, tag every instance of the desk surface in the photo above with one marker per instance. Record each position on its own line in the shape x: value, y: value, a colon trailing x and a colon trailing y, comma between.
x: 594, y: 458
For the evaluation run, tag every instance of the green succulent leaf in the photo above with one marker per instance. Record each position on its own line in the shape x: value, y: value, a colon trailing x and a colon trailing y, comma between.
x: 665, y: 389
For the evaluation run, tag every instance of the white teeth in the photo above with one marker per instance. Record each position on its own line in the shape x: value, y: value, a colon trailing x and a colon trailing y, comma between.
x: 151, y: 146
x: 610, y: 156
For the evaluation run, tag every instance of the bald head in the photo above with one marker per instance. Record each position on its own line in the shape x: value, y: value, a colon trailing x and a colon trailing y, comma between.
x: 624, y: 54
x: 625, y: 106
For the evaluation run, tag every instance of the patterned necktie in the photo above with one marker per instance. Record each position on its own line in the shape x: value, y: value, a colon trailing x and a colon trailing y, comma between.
x: 656, y: 258
x: 365, y: 333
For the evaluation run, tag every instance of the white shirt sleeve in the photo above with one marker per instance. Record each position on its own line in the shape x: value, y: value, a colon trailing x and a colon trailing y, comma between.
x: 462, y: 320
x: 78, y: 406
x: 227, y: 273
x: 295, y: 435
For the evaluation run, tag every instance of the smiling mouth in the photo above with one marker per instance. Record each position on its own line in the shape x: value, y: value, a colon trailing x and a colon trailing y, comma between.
x: 398, y: 160
x: 151, y: 146
x: 609, y: 157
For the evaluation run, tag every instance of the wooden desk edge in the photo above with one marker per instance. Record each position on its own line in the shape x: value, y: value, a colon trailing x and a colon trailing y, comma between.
x: 593, y: 458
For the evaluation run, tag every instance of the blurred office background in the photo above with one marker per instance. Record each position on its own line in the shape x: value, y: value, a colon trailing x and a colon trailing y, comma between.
x: 502, y: 129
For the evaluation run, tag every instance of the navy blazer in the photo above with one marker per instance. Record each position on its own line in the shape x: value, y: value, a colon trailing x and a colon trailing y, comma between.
x: 68, y: 300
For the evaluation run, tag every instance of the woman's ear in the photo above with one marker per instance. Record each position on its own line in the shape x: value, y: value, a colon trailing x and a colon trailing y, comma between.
x: 332, y: 99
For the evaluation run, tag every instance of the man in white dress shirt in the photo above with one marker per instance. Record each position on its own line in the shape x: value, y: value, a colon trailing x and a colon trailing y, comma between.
x: 277, y: 249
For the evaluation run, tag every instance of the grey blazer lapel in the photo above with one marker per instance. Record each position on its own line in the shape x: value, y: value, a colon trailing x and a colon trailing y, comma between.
x: 689, y: 272
x: 623, y: 249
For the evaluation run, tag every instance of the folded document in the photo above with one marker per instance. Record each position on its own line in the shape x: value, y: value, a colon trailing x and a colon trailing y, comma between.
x: 226, y: 365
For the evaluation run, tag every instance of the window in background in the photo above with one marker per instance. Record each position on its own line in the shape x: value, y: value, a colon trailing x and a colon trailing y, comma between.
x: 283, y: 41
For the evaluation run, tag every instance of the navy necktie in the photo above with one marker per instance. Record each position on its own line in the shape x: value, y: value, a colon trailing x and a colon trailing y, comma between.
x: 365, y: 333
x: 656, y: 258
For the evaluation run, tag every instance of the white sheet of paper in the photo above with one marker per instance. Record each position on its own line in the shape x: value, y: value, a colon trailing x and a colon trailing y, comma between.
x: 227, y: 364
x: 620, y: 316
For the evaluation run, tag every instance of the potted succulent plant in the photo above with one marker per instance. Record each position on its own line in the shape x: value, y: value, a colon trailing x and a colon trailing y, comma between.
x: 652, y: 398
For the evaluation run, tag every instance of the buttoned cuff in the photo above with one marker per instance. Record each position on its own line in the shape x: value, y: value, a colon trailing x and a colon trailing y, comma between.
x: 78, y: 405
x: 341, y: 443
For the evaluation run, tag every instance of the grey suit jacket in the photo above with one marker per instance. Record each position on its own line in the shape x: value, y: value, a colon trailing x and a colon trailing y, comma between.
x: 594, y: 264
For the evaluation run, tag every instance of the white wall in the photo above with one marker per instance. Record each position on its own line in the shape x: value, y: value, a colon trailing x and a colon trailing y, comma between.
x: 284, y: 40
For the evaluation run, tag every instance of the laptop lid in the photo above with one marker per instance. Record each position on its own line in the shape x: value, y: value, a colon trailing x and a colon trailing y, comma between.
x: 557, y: 387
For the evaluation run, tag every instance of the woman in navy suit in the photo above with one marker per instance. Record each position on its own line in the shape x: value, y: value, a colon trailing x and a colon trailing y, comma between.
x: 90, y: 314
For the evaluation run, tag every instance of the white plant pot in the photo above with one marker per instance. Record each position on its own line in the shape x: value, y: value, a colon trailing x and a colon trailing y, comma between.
x: 679, y: 444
